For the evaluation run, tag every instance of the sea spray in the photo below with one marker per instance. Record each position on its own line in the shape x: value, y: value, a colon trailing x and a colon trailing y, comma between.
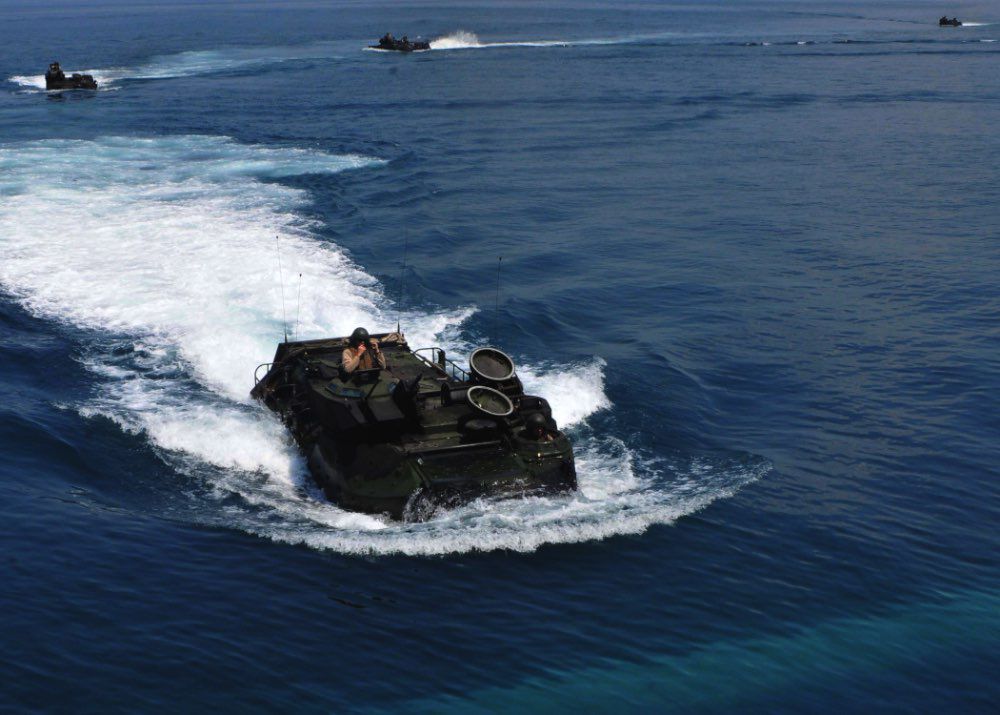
x: 198, y: 62
x: 163, y: 249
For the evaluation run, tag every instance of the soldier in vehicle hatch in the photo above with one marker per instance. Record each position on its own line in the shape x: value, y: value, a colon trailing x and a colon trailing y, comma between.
x: 362, y: 353
x: 536, y: 428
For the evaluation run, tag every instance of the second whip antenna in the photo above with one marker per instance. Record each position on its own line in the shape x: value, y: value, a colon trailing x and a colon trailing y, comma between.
x: 281, y: 284
x: 402, y: 279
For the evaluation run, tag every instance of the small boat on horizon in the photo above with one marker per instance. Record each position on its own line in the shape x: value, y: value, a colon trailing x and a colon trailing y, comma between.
x: 55, y: 78
x: 390, y: 43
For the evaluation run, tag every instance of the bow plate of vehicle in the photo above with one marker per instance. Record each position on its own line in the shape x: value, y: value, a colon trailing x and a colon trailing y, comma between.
x: 419, y: 433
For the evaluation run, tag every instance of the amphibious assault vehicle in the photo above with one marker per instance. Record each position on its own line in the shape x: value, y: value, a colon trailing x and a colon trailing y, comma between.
x: 420, y: 433
x: 953, y: 22
x: 55, y: 78
x: 388, y: 42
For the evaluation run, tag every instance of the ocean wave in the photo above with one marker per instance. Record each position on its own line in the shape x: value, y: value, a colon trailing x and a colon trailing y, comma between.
x: 165, y: 250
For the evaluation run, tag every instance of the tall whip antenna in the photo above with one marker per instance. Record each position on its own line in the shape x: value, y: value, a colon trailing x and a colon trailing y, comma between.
x: 402, y: 277
x: 496, y: 307
x: 281, y: 282
x: 298, y: 303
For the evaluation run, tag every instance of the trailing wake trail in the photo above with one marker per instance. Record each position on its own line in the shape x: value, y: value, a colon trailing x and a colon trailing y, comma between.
x: 197, y: 62
x: 255, y: 59
x: 741, y: 241
x: 163, y: 250
x: 465, y: 40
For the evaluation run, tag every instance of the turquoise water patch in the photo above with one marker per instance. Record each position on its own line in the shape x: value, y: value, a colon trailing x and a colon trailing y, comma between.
x: 812, y: 664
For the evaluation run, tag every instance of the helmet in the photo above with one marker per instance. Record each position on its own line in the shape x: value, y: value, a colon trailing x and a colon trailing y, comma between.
x: 535, y: 421
x: 360, y: 335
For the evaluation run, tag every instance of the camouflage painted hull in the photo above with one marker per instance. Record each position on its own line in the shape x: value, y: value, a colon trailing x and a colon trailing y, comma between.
x: 400, y: 46
x: 75, y: 81
x: 408, y: 439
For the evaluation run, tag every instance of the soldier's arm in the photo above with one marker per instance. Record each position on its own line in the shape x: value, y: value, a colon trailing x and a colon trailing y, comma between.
x: 349, y: 360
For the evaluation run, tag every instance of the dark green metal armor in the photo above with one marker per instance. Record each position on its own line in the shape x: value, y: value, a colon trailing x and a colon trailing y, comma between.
x: 421, y: 432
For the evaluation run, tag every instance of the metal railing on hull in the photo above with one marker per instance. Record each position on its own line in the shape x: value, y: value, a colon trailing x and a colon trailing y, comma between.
x: 256, y: 372
x: 440, y: 362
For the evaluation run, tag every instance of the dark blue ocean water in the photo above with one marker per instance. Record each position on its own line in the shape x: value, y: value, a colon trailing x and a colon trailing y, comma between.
x: 750, y: 253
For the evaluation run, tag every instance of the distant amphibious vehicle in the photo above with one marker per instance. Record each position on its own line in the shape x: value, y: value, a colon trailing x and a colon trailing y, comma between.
x: 418, y: 433
x: 55, y: 78
x: 388, y: 42
x: 953, y: 22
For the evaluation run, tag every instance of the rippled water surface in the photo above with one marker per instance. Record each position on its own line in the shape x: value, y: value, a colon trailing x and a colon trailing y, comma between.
x: 750, y: 254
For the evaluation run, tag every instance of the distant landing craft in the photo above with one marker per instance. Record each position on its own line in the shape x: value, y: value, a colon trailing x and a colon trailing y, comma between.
x: 388, y: 42
x: 55, y: 78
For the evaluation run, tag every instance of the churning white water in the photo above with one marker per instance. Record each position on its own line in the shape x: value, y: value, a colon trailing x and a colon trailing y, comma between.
x: 464, y: 40
x: 197, y: 62
x: 165, y: 250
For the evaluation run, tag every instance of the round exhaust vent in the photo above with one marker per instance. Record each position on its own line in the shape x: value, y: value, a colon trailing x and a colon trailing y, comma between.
x: 491, y: 365
x: 492, y: 402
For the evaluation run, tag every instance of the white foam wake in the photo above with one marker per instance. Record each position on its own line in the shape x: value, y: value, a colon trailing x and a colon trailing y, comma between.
x: 460, y: 40
x: 195, y: 62
x: 164, y: 250
x: 105, y: 79
x: 465, y: 40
